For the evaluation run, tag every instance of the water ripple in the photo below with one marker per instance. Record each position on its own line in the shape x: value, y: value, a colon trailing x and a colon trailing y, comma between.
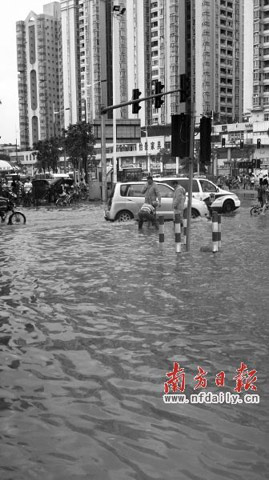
x: 93, y: 315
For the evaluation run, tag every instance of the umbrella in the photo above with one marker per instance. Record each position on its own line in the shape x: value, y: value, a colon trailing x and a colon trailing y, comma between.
x: 5, y: 166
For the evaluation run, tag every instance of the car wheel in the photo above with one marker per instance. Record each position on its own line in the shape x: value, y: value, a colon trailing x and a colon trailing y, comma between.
x: 124, y: 216
x: 194, y: 213
x: 228, y: 206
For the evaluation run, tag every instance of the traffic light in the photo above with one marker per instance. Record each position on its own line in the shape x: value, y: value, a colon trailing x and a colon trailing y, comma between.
x: 185, y: 87
x: 135, y: 106
x: 158, y: 89
x: 205, y: 140
x: 180, y: 135
x: 259, y: 143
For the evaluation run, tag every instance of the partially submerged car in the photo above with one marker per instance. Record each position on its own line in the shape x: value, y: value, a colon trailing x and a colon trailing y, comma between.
x: 126, y: 199
x: 223, y: 201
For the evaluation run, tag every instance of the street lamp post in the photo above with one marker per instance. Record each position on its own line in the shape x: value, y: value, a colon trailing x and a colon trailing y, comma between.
x: 86, y: 103
x: 54, y: 114
x: 147, y: 150
x: 117, y: 13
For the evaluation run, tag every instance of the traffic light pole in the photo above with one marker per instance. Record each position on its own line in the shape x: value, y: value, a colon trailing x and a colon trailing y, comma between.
x: 132, y: 102
x: 104, y: 110
x: 103, y: 158
x: 188, y: 237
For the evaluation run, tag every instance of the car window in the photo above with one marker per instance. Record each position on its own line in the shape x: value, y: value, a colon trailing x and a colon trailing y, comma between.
x: 184, y: 182
x: 135, y: 190
x: 165, y: 191
x: 123, y: 190
x: 131, y: 190
x: 207, y: 186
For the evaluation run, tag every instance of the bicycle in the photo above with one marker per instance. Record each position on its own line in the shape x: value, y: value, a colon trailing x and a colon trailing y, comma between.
x: 65, y: 200
x: 14, y: 217
x: 257, y: 209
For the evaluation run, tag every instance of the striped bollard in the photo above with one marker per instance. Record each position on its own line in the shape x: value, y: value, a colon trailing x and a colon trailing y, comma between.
x: 215, y: 232
x: 185, y: 213
x: 161, y: 229
x: 219, y: 231
x: 177, y: 233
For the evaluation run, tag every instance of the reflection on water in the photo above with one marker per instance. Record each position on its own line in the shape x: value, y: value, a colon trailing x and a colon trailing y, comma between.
x: 94, y: 314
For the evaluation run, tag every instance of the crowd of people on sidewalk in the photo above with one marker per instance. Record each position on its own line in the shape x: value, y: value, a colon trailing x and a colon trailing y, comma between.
x: 242, y: 181
x: 17, y: 188
x: 26, y: 192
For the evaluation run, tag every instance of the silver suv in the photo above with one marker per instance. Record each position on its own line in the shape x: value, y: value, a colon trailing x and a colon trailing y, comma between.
x: 224, y: 201
x: 126, y: 199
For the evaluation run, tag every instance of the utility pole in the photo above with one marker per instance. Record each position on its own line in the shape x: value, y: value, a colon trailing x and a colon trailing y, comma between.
x: 190, y: 107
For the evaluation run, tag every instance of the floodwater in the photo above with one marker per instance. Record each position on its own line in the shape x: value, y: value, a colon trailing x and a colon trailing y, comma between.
x: 92, y: 317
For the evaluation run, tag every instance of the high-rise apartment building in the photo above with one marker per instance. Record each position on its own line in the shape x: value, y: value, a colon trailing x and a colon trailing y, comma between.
x: 261, y: 57
x: 80, y: 55
x: 219, y: 55
x: 112, y: 47
x: 202, y: 38
x: 39, y: 61
x: 155, y: 52
x: 87, y: 58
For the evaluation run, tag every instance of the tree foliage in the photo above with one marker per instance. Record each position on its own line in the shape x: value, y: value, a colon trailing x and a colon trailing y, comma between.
x: 4, y: 156
x: 78, y: 141
x: 164, y: 155
x: 47, y: 154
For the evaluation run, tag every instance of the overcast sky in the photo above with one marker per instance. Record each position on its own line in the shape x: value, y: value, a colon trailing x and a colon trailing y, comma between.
x: 10, y: 12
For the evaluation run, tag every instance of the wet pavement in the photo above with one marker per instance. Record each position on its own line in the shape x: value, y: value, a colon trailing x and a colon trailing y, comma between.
x: 92, y: 317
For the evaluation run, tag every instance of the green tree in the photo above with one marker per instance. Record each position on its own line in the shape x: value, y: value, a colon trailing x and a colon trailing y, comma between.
x: 79, y: 142
x: 4, y: 156
x: 164, y: 155
x: 47, y: 154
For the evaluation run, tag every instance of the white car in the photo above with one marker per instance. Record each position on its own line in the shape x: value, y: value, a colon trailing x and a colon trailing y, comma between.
x: 126, y: 200
x: 223, y: 201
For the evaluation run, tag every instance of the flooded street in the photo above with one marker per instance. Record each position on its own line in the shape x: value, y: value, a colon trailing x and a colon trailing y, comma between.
x: 92, y: 317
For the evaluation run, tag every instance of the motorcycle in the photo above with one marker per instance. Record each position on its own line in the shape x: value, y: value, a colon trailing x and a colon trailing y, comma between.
x: 8, y: 212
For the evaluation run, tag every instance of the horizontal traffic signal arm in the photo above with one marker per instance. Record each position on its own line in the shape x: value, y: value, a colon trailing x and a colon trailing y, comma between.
x: 131, y: 102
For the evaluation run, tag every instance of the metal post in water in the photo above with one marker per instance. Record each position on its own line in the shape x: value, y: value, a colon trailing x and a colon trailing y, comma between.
x: 161, y: 229
x: 103, y: 158
x: 215, y: 232
x: 177, y: 233
x: 185, y: 213
x: 219, y: 231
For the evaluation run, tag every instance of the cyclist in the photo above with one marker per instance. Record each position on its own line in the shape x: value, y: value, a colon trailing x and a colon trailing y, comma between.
x: 265, y: 193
